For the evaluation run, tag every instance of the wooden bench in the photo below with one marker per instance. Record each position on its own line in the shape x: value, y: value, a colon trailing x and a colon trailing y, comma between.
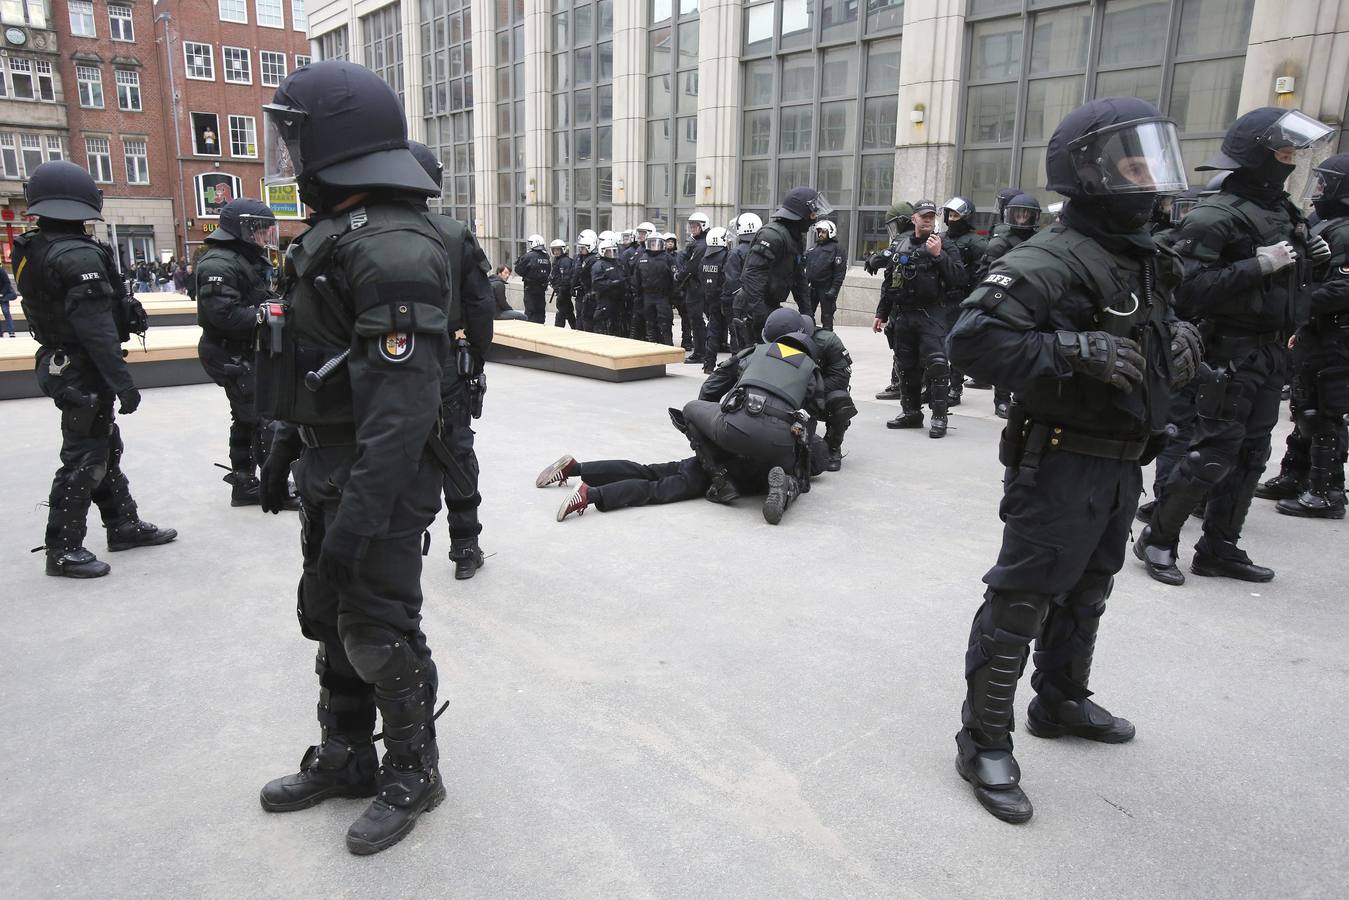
x: 163, y: 309
x: 170, y: 356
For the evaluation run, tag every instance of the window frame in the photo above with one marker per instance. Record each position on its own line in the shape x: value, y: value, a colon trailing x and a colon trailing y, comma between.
x: 307, y: 57
x: 280, y: 13
x: 24, y: 65
x: 9, y: 153
x: 187, y: 64
x: 133, y: 87
x: 127, y: 20
x: 277, y: 55
x: 243, y: 11
x: 44, y: 74
x: 447, y: 102
x: 570, y: 214
x: 95, y: 82
x: 86, y: 14
x: 55, y: 147
x: 225, y: 50
x: 299, y: 16
x: 192, y: 118
x: 90, y: 153
x: 252, y: 131
x: 127, y: 156
x: 25, y: 147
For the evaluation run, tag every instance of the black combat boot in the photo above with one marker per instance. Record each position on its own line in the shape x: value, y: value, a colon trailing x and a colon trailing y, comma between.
x: 938, y: 429
x: 467, y: 557
x: 709, y: 365
x: 1159, y: 559
x: 722, y: 489
x: 782, y: 490
x: 694, y: 359
x: 1284, y: 486
x: 892, y: 392
x: 835, y: 459
x: 64, y: 539
x: 1078, y: 718
x: 1144, y: 511
x: 1322, y: 499
x: 138, y: 533
x: 244, y: 487
x: 1224, y: 559
x: 996, y: 779
x: 340, y: 766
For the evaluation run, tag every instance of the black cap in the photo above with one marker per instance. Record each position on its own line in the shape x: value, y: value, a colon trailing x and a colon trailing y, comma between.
x: 922, y: 207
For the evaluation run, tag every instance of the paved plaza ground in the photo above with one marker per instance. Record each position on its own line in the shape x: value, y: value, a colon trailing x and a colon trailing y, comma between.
x: 675, y: 701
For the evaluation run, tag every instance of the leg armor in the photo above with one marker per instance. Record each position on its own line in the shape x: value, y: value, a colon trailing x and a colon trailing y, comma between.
x: 1000, y: 638
x: 938, y: 375
x: 839, y: 413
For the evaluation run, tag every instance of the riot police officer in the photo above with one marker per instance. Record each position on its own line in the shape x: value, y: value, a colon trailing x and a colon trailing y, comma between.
x: 1321, y: 353
x: 535, y: 269
x: 587, y: 251
x: 898, y: 220
x: 231, y: 281
x: 747, y: 225
x: 1000, y: 202
x: 80, y: 313
x: 1248, y: 257
x: 1020, y: 218
x: 369, y: 297
x: 825, y: 269
x: 915, y: 304
x: 654, y: 280
x: 958, y: 217
x: 711, y: 272
x: 638, y: 327
x: 463, y: 381
x: 1091, y: 393
x: 610, y: 284
x: 773, y: 267
x: 838, y: 411
x: 560, y: 279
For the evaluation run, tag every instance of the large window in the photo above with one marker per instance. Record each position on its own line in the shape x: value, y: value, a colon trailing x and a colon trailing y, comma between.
x: 383, y: 48
x: 270, y: 15
x: 31, y: 146
x: 510, y: 122
x: 234, y: 11
x: 90, y: 81
x: 98, y: 152
x: 333, y: 44
x: 272, y: 65
x: 299, y: 19
x: 55, y: 149
x: 583, y: 114
x: 24, y: 12
x: 238, y: 65
x: 1027, y: 71
x: 9, y: 156
x: 128, y: 90
x: 200, y: 61
x: 137, y: 160
x: 82, y: 18
x: 21, y: 79
x: 243, y: 136
x: 820, y: 87
x: 672, y: 113
x: 447, y: 99
x: 119, y: 23
x: 46, y: 83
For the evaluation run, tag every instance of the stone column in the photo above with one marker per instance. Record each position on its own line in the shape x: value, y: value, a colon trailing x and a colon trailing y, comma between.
x: 630, y: 24
x: 718, y: 158
x: 486, y: 223
x: 929, y: 82
x: 409, y: 20
x: 538, y: 99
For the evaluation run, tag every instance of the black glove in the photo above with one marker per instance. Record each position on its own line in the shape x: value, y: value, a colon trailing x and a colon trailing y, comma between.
x: 274, y: 477
x: 340, y: 557
x: 129, y: 400
x: 1105, y: 357
x: 1187, y: 350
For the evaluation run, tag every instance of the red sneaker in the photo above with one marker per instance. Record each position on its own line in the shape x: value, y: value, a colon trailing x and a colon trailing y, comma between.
x: 575, y: 503
x: 558, y: 472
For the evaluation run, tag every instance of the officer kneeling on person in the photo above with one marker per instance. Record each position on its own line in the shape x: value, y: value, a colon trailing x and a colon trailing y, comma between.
x: 80, y: 313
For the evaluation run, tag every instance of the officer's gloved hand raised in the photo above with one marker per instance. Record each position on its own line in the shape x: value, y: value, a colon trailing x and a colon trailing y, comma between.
x: 129, y: 400
x: 340, y: 556
x: 1275, y: 257
x: 1105, y: 357
x: 1187, y: 350
x: 1318, y: 249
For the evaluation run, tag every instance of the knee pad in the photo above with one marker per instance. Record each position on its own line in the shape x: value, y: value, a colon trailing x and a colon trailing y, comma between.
x: 380, y: 656
x: 839, y: 404
x: 938, y: 370
x: 1254, y: 456
x: 1207, y: 466
x: 1015, y: 617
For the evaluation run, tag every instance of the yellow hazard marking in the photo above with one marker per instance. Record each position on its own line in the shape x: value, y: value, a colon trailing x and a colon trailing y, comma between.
x: 788, y: 352
x: 18, y: 273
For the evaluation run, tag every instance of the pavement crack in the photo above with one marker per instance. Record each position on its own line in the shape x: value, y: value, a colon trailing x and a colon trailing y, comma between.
x: 1116, y: 805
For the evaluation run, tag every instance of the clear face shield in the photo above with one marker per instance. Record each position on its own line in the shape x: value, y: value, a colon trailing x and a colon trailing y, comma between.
x: 1135, y: 157
x: 1180, y: 208
x: 821, y: 207
x: 1323, y: 183
x: 1021, y: 216
x: 1294, y: 130
x: 282, y: 159
x: 895, y: 227
x: 655, y: 242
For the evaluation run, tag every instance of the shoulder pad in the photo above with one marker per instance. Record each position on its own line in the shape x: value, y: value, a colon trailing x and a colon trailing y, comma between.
x: 78, y: 261
x: 1205, y: 232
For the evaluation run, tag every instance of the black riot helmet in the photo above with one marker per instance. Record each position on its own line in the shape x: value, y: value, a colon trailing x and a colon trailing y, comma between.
x: 1005, y: 196
x: 803, y: 204
x: 1261, y: 134
x: 1022, y: 213
x: 1214, y: 184
x: 1183, y: 202
x: 779, y: 322
x: 1328, y: 188
x: 336, y: 128
x: 246, y: 219
x: 430, y: 163
x: 62, y: 190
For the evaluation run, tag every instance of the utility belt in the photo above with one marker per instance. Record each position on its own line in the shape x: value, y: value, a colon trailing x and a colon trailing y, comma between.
x: 1025, y: 441
x: 1231, y: 345
x: 1331, y: 322
x: 757, y: 403
x: 315, y: 436
x: 231, y: 345
x: 905, y: 304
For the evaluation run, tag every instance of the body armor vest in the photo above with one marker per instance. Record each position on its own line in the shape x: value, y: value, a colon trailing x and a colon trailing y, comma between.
x: 43, y: 298
x: 781, y: 369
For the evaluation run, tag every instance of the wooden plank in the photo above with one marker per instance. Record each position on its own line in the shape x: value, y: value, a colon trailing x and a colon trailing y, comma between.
x: 601, y: 350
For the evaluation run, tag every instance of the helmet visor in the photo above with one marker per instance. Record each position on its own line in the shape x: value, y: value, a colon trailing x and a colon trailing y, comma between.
x: 821, y: 207
x: 1324, y: 183
x: 894, y: 227
x: 1294, y: 130
x: 282, y: 159
x: 1180, y: 208
x: 1136, y: 157
x: 1021, y: 216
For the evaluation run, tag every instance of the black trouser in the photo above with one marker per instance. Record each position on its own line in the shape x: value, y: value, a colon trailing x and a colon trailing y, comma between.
x: 718, y: 316
x: 680, y: 304
x: 230, y: 365
x: 823, y: 301
x: 461, y: 493
x: 659, y: 318
x: 536, y: 301
x: 91, y: 451
x: 639, y: 329
x: 566, y: 312
x: 696, y: 325
x: 608, y: 311
x: 617, y: 483
x: 920, y: 352
x: 1319, y: 440
x: 1063, y: 540
x: 585, y: 311
x: 1180, y: 418
x: 1302, y: 378
x: 387, y: 596
x: 1230, y: 447
x: 763, y: 439
x: 1001, y: 396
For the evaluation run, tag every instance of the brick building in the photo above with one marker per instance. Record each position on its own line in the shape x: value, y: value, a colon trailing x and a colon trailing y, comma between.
x: 222, y: 61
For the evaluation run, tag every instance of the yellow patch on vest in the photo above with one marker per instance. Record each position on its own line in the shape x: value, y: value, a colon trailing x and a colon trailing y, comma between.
x: 788, y: 352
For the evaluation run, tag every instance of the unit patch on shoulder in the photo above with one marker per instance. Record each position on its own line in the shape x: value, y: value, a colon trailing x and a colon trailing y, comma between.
x: 358, y: 217
x: 215, y: 279
x: 1344, y: 270
x: 396, y: 346
x: 999, y: 280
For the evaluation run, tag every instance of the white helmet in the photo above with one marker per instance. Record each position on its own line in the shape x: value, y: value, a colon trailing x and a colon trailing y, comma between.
x: 558, y: 244
x: 586, y: 243
x: 747, y: 223
x: 700, y: 220
x: 654, y: 241
x: 647, y: 227
x: 670, y: 236
x: 608, y: 248
x: 587, y: 233
x: 829, y: 228
x: 625, y: 236
x: 535, y: 241
x: 716, y: 237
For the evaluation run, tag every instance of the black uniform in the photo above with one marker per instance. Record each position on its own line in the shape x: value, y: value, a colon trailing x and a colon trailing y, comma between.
x: 653, y: 280
x: 231, y: 281
x: 915, y: 303
x: 825, y: 269
x: 562, y: 278
x: 79, y: 311
x: 610, y: 284
x: 971, y: 246
x: 838, y: 409
x: 712, y: 273
x: 730, y: 287
x: 584, y: 289
x: 994, y: 250
x: 633, y: 321
x: 535, y: 270
x: 693, y: 314
x: 771, y: 271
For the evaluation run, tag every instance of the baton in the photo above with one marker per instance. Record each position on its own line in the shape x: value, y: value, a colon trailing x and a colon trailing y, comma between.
x: 316, y: 379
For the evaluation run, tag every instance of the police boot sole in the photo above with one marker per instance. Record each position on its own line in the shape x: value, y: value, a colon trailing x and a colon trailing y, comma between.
x: 1298, y: 511
x: 362, y: 847
x: 167, y: 538
x: 775, y: 504
x: 995, y: 801
x: 1240, y: 573
x: 353, y: 791
x: 247, y: 501
x: 1051, y: 730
